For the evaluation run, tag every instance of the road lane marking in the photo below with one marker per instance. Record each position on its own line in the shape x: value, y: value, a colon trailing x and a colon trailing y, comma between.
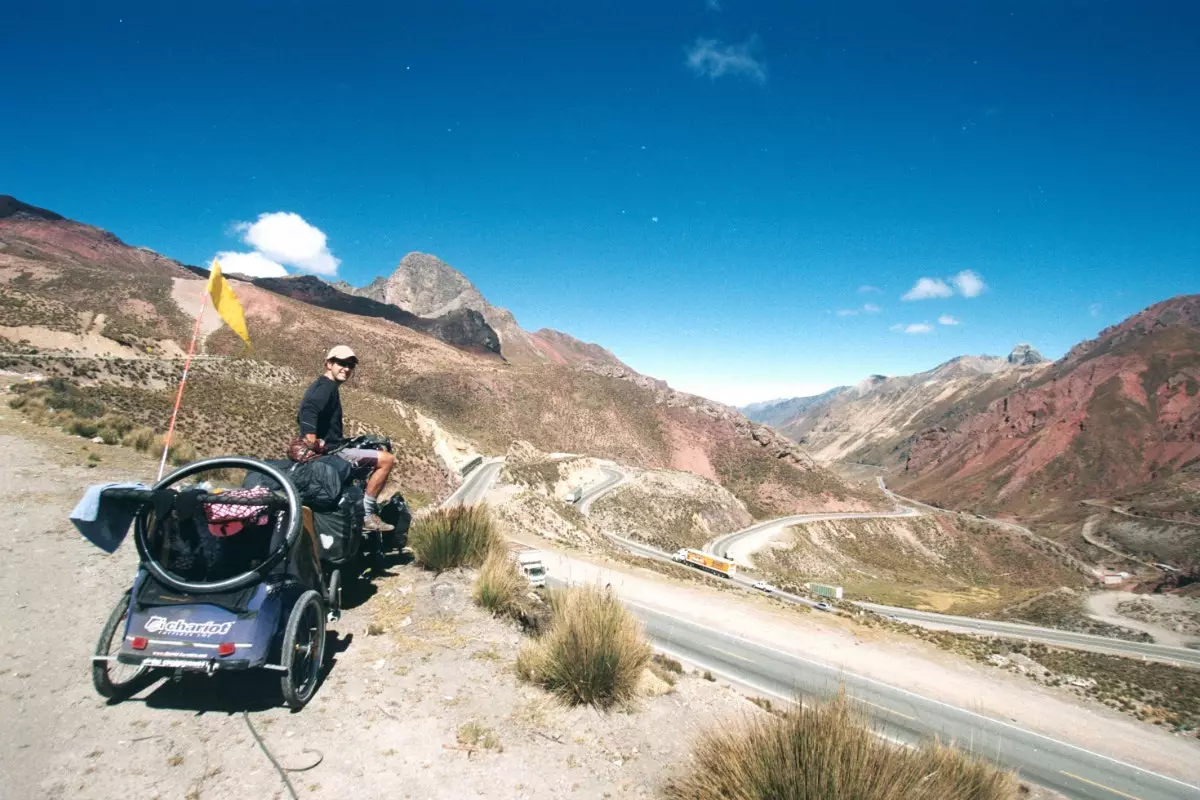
x: 1101, y: 785
x: 728, y: 653
x: 885, y: 708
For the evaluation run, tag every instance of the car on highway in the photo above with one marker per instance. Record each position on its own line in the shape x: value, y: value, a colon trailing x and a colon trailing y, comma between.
x: 823, y: 606
x: 763, y: 586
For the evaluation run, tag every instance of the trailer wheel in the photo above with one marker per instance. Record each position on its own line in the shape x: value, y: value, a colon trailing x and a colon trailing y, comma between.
x: 303, y: 650
x: 112, y: 679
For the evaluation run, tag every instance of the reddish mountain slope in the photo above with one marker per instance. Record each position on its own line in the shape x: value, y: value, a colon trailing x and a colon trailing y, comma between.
x: 59, y: 274
x: 1115, y: 413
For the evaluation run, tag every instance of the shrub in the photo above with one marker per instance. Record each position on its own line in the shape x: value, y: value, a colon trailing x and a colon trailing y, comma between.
x: 181, y: 451
x: 82, y: 427
x: 453, y: 537
x: 823, y: 751
x: 593, y: 652
x: 140, y: 438
x: 501, y: 587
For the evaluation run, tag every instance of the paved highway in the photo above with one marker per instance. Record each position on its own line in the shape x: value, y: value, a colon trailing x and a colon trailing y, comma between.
x: 909, y: 717
x: 723, y: 544
x: 1053, y: 636
x: 612, y: 479
x: 476, y: 485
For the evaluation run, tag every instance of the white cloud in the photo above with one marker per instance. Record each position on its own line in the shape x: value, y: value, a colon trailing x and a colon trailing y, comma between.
x: 916, y: 327
x: 926, y: 288
x: 946, y: 319
x: 847, y: 312
x: 1094, y: 309
x: 867, y: 288
x: 286, y: 238
x: 969, y: 284
x: 250, y: 265
x: 713, y: 58
x: 713, y: 5
x: 870, y: 308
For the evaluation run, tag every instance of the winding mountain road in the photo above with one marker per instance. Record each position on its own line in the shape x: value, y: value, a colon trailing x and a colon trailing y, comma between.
x: 476, y: 485
x: 1005, y: 630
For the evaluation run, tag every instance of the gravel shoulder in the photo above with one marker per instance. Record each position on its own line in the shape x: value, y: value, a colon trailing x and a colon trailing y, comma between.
x: 1103, y: 606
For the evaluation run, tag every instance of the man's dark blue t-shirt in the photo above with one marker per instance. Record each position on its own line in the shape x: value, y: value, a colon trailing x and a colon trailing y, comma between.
x: 321, y: 411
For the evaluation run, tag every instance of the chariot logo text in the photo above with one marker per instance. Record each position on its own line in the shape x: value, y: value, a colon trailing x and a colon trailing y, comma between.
x: 179, y: 627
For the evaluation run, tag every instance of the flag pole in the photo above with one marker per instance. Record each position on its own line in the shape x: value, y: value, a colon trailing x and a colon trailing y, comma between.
x: 162, y: 464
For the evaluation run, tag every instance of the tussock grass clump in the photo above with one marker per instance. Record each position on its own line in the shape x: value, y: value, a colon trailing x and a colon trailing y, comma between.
x: 824, y: 751
x: 141, y: 439
x: 500, y: 587
x: 461, y: 536
x: 181, y: 451
x: 593, y: 651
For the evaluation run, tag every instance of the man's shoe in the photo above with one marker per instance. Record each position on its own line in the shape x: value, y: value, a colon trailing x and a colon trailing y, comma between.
x: 372, y: 522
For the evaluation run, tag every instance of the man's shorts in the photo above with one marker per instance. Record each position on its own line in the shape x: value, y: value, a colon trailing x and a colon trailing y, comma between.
x: 364, y: 461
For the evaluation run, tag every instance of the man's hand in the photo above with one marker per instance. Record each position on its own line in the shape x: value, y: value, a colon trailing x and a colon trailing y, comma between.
x: 314, y: 444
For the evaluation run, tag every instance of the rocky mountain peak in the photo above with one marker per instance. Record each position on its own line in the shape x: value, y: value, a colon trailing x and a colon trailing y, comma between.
x: 428, y: 287
x: 1024, y: 355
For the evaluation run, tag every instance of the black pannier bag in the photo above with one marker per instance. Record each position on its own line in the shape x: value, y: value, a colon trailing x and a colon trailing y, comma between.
x: 395, y: 512
x: 318, y: 482
x: 339, y: 530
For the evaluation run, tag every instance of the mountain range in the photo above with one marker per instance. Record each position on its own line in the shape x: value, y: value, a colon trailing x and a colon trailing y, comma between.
x: 874, y: 421
x: 435, y: 356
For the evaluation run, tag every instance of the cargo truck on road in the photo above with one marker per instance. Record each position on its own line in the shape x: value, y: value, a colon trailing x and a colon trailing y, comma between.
x: 705, y: 561
x: 529, y: 562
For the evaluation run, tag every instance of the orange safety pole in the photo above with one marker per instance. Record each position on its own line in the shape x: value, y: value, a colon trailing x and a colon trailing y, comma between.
x: 162, y: 464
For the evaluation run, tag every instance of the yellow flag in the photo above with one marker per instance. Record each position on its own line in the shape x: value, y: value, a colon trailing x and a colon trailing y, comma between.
x: 226, y: 304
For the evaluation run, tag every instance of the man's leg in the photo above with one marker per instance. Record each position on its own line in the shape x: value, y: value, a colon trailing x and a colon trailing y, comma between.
x: 378, y: 463
x: 375, y: 484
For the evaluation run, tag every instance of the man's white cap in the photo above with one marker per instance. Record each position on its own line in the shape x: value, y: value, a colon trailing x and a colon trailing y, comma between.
x: 342, y: 353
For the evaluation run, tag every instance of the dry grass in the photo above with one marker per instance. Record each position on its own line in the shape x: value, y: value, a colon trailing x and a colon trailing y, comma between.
x: 825, y: 751
x: 500, y: 587
x: 592, y: 653
x: 447, y: 538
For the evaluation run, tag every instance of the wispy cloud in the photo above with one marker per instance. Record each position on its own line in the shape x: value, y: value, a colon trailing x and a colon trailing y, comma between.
x: 915, y: 327
x: 946, y: 319
x: 867, y: 288
x: 868, y: 308
x: 969, y: 284
x: 713, y: 58
x: 713, y: 5
x: 251, y: 265
x: 925, y: 288
x: 1094, y: 309
x: 285, y: 238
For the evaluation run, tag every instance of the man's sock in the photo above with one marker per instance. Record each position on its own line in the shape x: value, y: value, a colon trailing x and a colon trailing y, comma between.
x: 370, y: 505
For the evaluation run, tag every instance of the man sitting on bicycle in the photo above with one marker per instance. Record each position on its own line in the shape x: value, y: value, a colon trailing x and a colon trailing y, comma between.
x: 320, y: 421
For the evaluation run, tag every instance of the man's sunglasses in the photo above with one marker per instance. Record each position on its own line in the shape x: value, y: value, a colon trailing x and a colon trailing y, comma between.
x: 348, y: 363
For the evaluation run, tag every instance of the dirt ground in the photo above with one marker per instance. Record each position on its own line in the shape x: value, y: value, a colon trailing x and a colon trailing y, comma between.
x: 383, y: 724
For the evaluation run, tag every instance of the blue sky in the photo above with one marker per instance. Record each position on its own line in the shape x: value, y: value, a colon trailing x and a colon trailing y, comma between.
x: 699, y: 186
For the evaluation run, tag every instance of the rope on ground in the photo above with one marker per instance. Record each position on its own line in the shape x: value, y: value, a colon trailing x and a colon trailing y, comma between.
x: 283, y: 771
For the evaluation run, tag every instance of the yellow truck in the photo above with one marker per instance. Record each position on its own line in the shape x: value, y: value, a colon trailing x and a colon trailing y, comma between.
x: 705, y: 561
